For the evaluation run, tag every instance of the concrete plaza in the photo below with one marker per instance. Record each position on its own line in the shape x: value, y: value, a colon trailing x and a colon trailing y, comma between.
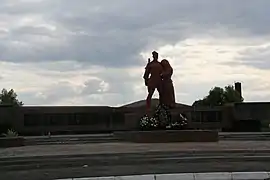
x: 124, y: 147
x: 121, y: 159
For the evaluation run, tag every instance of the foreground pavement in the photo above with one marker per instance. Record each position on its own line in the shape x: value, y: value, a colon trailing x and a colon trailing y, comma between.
x: 190, y: 176
x: 167, y: 168
x: 114, y: 159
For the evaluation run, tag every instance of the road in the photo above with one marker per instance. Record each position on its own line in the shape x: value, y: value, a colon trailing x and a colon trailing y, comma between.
x: 101, y: 138
x: 115, y: 158
x: 177, y: 164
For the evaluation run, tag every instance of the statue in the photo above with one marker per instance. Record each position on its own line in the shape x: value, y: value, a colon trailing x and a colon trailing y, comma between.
x: 167, y: 96
x: 154, y: 69
x: 160, y: 79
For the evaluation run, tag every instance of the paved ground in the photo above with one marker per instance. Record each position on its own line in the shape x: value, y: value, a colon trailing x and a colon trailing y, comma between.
x: 191, y: 176
x: 103, y: 148
x: 109, y: 138
x: 112, y: 164
x: 79, y: 172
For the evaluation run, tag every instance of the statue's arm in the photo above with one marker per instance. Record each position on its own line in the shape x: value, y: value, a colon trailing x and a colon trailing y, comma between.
x: 146, y: 74
x: 167, y: 73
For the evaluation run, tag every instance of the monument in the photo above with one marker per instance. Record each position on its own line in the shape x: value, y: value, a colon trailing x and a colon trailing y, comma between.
x: 161, y: 79
x: 159, y: 127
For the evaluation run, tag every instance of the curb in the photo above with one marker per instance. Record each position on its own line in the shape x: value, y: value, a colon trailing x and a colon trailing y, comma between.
x: 188, y: 176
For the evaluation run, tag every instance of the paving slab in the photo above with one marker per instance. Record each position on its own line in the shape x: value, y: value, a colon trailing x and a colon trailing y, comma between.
x: 250, y: 175
x: 186, y: 176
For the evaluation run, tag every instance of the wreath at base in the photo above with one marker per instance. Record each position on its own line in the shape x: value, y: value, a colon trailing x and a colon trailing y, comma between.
x: 162, y: 119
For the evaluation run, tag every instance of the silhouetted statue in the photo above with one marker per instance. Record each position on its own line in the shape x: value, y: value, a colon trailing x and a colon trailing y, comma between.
x: 160, y: 79
x: 167, y: 96
x: 154, y: 69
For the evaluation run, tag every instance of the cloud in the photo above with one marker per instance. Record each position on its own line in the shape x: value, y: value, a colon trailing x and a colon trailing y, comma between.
x: 94, y: 52
x: 257, y: 56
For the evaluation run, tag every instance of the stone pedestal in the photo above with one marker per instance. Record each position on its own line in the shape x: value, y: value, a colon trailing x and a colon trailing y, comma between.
x: 167, y: 136
x: 11, y: 142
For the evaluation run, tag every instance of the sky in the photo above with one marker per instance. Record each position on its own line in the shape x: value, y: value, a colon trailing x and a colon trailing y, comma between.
x: 93, y: 52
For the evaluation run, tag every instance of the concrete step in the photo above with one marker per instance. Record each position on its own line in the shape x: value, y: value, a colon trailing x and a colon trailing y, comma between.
x: 246, y: 136
x: 45, y: 140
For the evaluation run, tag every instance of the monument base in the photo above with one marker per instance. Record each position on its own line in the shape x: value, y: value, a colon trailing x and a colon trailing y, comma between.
x: 11, y: 142
x: 167, y: 136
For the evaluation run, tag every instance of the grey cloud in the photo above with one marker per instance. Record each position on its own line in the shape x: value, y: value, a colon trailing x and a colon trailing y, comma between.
x: 120, y: 89
x: 119, y: 82
x: 113, y: 34
x: 59, y: 91
x: 89, y: 94
x: 108, y: 99
x: 257, y: 57
x: 50, y: 95
x: 30, y: 30
x: 93, y: 86
x: 59, y: 68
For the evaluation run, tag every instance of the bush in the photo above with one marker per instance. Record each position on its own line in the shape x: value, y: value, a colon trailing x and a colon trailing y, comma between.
x: 10, y: 133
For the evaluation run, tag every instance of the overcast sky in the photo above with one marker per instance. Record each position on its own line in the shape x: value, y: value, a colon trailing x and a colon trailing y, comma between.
x: 93, y: 52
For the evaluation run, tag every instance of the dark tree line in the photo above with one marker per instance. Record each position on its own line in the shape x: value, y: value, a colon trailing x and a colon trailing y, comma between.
x: 218, y: 96
x: 9, y: 98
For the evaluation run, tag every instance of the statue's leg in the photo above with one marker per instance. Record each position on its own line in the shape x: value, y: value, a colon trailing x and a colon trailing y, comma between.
x: 159, y: 89
x: 151, y: 91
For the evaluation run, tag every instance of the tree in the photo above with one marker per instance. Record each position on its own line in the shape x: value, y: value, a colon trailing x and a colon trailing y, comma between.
x: 219, y: 96
x: 9, y: 98
x: 231, y: 95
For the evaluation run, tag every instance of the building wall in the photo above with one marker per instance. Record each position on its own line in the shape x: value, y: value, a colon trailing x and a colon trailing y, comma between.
x: 71, y: 119
x: 206, y: 118
x: 228, y: 118
x: 258, y: 110
x: 253, y: 111
x: 41, y: 120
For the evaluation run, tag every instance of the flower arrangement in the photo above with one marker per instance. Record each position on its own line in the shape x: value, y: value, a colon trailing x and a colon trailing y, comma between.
x: 181, y: 124
x: 148, y: 123
x: 162, y: 119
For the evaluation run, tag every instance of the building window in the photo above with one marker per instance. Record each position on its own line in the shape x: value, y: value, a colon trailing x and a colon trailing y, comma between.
x: 90, y: 119
x: 211, y: 116
x: 32, y: 120
x: 196, y: 116
x: 118, y: 118
x: 206, y: 116
x: 72, y: 119
x: 57, y: 119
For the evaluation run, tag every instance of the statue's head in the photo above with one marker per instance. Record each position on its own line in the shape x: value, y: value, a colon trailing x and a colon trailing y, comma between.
x: 165, y: 63
x: 155, y: 55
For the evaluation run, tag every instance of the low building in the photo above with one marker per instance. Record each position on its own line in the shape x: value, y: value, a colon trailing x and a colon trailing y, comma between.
x: 38, y: 120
